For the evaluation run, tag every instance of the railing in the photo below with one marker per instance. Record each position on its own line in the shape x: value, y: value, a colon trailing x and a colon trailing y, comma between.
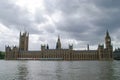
x: 39, y: 58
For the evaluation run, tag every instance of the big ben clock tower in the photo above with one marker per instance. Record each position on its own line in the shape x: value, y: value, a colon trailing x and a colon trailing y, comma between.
x: 109, y: 48
x: 107, y: 40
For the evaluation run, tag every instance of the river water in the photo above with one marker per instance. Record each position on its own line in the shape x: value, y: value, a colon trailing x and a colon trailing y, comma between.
x: 59, y: 70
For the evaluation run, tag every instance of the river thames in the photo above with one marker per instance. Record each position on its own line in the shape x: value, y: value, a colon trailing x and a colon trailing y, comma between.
x: 59, y: 70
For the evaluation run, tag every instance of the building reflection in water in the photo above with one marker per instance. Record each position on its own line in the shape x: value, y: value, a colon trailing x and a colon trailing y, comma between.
x: 106, y: 71
x: 22, y: 73
x: 102, y: 70
x: 66, y: 70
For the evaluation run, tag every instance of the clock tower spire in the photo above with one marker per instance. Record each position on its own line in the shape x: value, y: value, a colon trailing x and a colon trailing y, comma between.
x: 107, y: 40
x: 58, y: 45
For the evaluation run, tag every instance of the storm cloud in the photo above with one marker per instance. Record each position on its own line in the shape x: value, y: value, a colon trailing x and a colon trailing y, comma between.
x: 79, y: 22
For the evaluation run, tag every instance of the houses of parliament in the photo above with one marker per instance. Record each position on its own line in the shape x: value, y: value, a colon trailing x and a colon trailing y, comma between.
x: 22, y: 52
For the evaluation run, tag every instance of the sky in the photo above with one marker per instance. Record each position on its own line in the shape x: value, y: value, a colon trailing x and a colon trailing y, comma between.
x: 78, y: 22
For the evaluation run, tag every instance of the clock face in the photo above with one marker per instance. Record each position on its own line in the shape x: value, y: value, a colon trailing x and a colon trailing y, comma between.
x: 108, y: 40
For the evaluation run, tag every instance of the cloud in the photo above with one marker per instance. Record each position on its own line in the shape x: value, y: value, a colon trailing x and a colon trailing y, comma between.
x: 80, y: 21
x: 11, y: 15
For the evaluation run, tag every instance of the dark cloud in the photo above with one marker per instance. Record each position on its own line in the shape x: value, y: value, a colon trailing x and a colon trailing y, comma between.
x: 81, y: 20
x: 100, y: 15
x: 107, y: 4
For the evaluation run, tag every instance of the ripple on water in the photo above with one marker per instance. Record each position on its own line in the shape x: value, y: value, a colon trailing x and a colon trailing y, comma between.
x: 59, y: 70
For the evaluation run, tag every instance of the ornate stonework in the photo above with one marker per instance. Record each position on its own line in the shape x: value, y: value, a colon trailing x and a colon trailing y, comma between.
x: 58, y: 54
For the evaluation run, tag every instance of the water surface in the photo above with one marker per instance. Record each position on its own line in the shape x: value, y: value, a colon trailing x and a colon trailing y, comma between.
x: 59, y: 70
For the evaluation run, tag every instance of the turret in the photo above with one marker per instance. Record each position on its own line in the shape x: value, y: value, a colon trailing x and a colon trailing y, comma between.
x: 100, y: 51
x: 7, y: 48
x: 58, y: 44
x: 47, y: 46
x: 88, y: 47
x: 42, y: 47
x: 15, y: 52
x: 15, y: 49
x: 71, y: 46
x: 7, y: 51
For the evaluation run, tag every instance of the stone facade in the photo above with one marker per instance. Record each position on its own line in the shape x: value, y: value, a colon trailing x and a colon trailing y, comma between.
x: 58, y: 54
x: 23, y: 41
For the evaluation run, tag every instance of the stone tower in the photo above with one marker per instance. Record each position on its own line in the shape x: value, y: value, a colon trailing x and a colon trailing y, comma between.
x: 58, y: 44
x: 71, y: 46
x: 107, y: 40
x: 109, y: 48
x: 23, y: 41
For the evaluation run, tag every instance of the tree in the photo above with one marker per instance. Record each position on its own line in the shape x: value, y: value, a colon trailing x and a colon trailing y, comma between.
x: 2, y: 55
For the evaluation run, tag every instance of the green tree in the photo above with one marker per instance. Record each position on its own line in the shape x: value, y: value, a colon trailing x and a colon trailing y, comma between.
x: 2, y: 55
